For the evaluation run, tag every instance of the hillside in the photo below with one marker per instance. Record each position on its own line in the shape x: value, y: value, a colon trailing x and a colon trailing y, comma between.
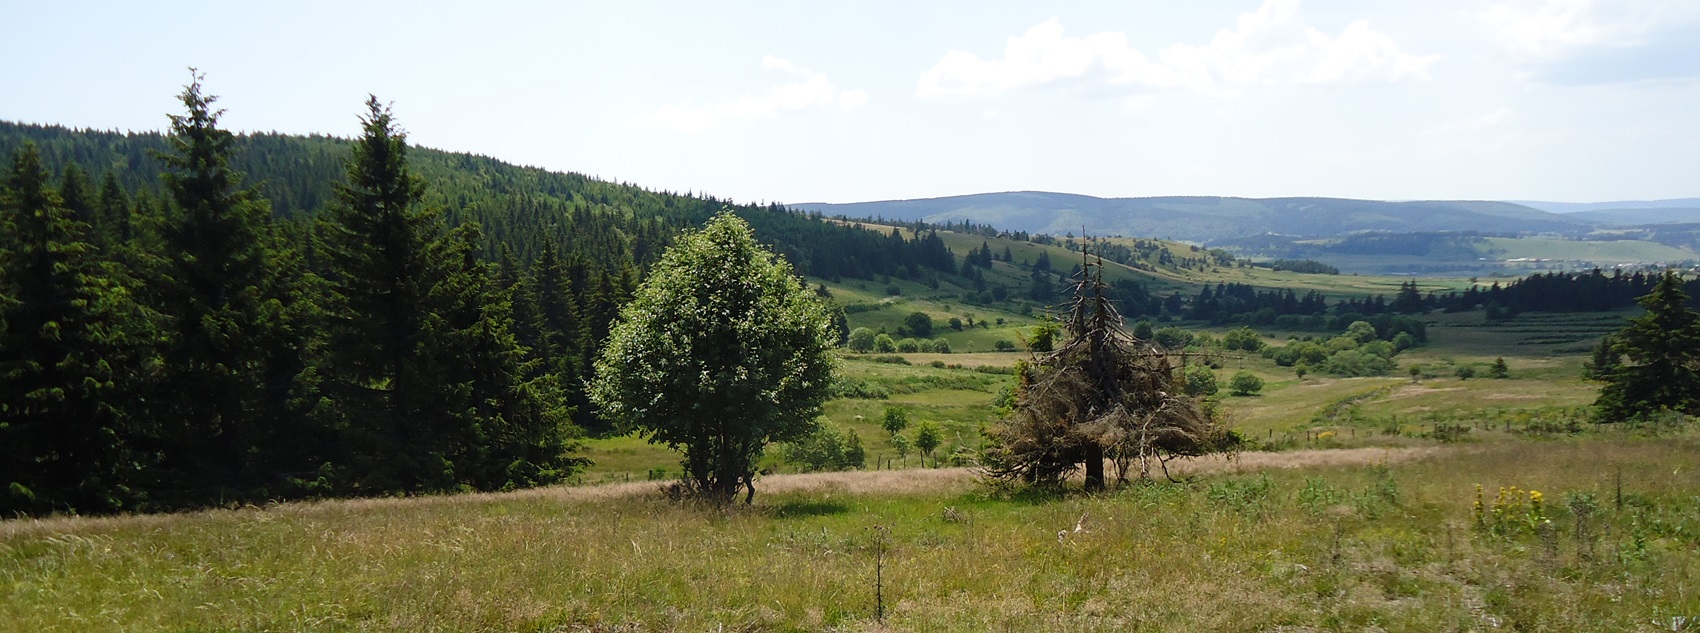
x: 1206, y: 219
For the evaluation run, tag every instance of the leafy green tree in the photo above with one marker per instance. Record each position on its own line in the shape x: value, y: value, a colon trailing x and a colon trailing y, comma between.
x: 900, y: 443
x: 1242, y: 338
x: 1143, y: 331
x: 927, y: 438
x: 428, y: 376
x: 883, y: 343
x: 862, y: 340
x: 1044, y: 336
x: 919, y: 324
x: 1245, y: 383
x: 72, y: 344
x: 1361, y: 331
x: 721, y: 352
x: 894, y: 420
x: 820, y: 450
x: 1172, y: 338
x: 1499, y: 369
x: 1200, y: 381
x: 1465, y: 372
x: 1653, y: 362
x: 855, y: 455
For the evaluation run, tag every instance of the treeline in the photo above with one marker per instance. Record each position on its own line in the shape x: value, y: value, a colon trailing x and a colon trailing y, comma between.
x: 1592, y: 291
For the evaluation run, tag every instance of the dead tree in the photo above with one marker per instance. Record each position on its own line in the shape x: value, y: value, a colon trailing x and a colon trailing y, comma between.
x: 1102, y: 394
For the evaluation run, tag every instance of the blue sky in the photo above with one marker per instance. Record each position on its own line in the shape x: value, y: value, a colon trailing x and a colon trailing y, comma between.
x: 1566, y: 100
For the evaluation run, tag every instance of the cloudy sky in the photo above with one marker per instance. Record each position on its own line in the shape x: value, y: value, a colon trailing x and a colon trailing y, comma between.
x: 1568, y: 100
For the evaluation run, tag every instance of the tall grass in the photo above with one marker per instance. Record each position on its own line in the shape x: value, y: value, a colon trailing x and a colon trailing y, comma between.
x: 1249, y: 547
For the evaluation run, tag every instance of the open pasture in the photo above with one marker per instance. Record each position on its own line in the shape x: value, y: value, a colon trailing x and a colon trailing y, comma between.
x: 1601, y: 534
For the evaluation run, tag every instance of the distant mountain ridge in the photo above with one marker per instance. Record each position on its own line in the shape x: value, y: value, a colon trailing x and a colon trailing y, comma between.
x: 1208, y: 218
x: 1626, y: 212
x: 1578, y: 207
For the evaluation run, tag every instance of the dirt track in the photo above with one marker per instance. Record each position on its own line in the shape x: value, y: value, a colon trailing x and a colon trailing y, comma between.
x: 919, y: 480
x: 914, y: 480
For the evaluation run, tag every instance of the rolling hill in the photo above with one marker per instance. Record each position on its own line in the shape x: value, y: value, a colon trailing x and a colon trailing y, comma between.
x: 1206, y: 219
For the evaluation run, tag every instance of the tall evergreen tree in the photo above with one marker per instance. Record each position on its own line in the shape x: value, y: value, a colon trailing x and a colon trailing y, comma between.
x: 228, y: 391
x: 112, y: 225
x: 1660, y: 359
x: 557, y: 313
x: 423, y: 360
x: 70, y: 355
x: 77, y: 195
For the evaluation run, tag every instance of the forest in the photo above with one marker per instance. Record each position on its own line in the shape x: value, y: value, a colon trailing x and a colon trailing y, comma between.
x: 202, y: 318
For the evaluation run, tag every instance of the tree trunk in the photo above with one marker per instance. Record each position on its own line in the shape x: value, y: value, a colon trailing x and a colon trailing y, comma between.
x: 1094, y: 467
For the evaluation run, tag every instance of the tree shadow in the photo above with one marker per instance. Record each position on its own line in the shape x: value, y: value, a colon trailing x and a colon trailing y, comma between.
x: 810, y: 508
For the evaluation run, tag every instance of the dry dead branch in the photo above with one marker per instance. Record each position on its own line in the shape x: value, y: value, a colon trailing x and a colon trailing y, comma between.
x: 1101, y: 395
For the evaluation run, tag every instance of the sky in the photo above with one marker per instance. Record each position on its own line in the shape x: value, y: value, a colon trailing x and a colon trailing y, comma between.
x: 1563, y: 100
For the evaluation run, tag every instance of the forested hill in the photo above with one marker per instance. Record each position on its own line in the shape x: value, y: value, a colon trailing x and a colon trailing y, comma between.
x: 1206, y: 219
x: 165, y: 344
x: 610, y: 225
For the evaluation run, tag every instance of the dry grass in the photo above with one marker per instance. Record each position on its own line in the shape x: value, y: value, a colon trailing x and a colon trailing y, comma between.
x: 1315, y: 540
x: 912, y: 481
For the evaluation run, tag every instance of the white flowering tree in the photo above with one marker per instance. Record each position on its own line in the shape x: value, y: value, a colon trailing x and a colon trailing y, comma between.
x: 721, y: 352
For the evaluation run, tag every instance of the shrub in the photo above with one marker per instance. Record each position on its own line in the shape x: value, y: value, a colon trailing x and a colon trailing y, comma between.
x: 1243, y: 338
x: 1200, y: 381
x: 862, y: 340
x: 1172, y: 337
x: 826, y: 449
x: 883, y: 344
x: 1245, y: 383
x: 859, y: 389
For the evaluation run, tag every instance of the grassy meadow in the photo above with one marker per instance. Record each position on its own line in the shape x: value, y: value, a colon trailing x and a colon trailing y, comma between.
x: 1358, y: 509
x: 1376, y: 539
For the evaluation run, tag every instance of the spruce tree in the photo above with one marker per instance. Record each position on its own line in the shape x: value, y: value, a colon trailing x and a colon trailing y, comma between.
x: 112, y: 225
x: 1660, y: 359
x: 557, y: 313
x: 423, y: 361
x: 70, y: 356
x: 231, y: 353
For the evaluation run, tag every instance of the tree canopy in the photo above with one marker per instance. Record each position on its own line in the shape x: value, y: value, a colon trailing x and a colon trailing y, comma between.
x: 721, y: 351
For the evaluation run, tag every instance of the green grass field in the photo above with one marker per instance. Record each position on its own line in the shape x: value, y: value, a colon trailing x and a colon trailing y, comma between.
x: 1387, y: 540
x: 1354, y: 514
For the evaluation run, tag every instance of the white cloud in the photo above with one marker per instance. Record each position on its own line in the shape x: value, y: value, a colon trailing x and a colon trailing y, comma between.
x: 1268, y: 46
x: 1543, y: 29
x: 810, y: 90
x: 1550, y: 30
